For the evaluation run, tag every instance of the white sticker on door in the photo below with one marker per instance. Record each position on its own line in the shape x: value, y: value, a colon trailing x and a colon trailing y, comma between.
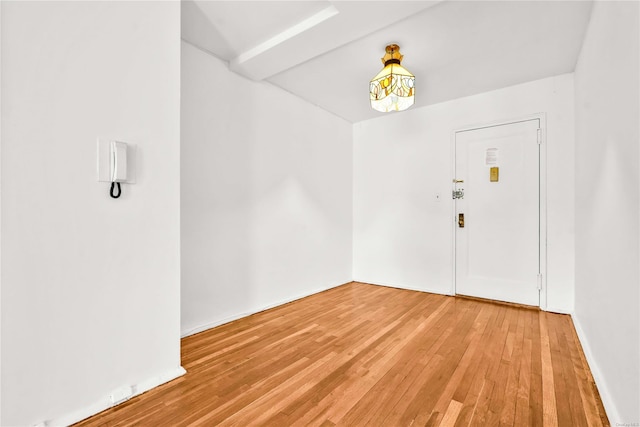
x: 491, y: 157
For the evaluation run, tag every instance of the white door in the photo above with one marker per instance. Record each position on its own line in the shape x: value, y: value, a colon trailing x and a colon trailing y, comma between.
x: 497, y: 235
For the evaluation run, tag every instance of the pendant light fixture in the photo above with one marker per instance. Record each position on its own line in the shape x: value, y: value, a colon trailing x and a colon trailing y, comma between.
x: 392, y: 89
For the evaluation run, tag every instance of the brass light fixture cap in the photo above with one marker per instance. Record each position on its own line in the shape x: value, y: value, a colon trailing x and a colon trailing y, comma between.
x: 392, y: 53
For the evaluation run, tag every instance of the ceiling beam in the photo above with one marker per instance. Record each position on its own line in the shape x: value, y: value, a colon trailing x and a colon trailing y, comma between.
x: 236, y: 63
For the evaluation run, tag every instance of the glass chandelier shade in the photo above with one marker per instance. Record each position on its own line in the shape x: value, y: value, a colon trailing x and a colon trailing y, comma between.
x: 392, y: 89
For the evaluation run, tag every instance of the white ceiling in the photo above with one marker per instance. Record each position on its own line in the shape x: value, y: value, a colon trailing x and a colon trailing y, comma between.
x: 327, y: 51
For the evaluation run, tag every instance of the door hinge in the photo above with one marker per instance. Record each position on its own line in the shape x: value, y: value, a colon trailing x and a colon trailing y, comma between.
x: 539, y: 282
x: 539, y: 136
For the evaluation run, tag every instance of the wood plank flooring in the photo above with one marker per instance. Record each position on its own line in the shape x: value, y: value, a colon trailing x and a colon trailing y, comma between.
x: 369, y: 355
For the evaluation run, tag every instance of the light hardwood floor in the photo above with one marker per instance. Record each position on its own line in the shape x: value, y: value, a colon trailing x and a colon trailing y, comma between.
x: 370, y: 355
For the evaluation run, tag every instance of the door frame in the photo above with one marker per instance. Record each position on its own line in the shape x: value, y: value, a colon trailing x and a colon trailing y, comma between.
x: 542, y: 196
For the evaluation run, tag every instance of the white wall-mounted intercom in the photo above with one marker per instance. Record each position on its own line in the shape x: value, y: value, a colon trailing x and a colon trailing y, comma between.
x: 116, y: 164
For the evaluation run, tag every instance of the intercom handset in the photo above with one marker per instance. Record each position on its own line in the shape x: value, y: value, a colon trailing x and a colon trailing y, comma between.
x: 118, y: 161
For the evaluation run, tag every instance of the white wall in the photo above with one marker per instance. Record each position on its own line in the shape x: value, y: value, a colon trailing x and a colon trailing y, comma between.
x: 90, y: 285
x: 0, y: 213
x: 403, y: 236
x: 607, y: 206
x: 266, y: 195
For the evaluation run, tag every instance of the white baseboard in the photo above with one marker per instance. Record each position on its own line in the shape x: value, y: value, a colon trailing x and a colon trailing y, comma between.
x: 228, y: 319
x: 409, y: 288
x: 558, y: 310
x: 105, y: 402
x: 607, y: 400
x: 440, y: 292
